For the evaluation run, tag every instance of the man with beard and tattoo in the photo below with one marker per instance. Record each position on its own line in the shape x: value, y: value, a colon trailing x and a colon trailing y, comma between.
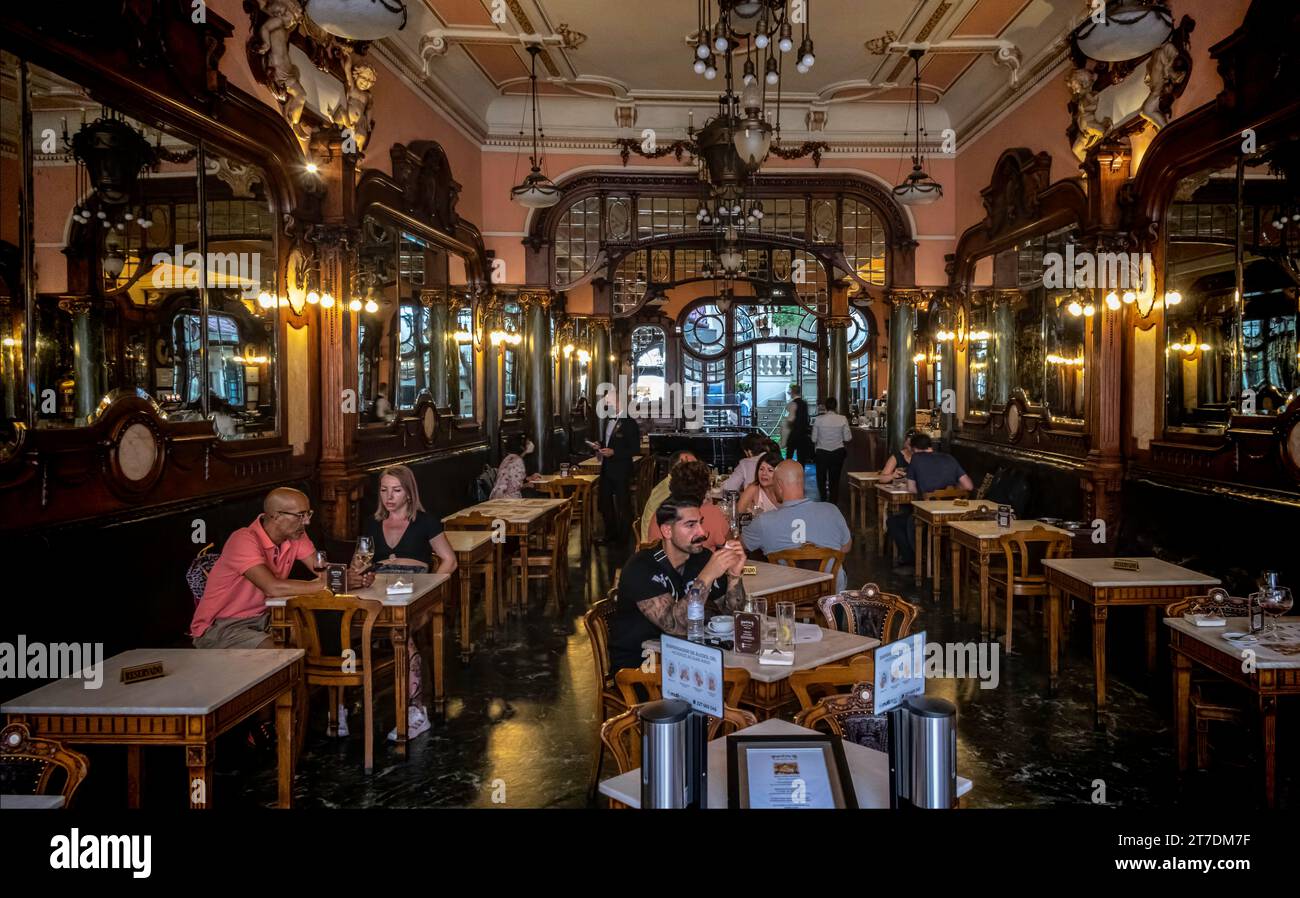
x: 652, y: 586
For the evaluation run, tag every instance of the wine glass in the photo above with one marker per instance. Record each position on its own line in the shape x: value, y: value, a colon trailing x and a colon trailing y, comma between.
x: 321, y: 561
x: 1275, y: 601
x: 364, y: 553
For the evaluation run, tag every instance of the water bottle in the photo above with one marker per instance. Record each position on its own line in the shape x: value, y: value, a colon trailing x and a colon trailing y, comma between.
x: 695, y: 630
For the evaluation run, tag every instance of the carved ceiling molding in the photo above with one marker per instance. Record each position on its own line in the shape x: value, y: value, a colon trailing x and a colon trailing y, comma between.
x: 1005, y: 53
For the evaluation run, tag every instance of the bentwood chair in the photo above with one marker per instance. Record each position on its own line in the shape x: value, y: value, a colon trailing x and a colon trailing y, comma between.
x: 622, y: 736
x: 27, y: 766
x: 609, y: 700
x: 548, y: 560
x: 948, y: 492
x: 1024, y: 552
x: 349, y: 667
x: 735, y: 681
x: 1212, y: 697
x: 808, y: 556
x: 579, y: 492
x: 638, y: 536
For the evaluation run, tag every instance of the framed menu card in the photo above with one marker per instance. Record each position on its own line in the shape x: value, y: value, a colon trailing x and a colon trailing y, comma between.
x: 799, y: 772
x: 748, y: 633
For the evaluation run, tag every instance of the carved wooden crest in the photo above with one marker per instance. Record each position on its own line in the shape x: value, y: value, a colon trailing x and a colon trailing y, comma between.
x: 429, y: 191
x: 1011, y: 199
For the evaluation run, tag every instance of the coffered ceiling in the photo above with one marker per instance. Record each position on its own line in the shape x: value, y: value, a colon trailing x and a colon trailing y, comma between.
x: 603, y: 56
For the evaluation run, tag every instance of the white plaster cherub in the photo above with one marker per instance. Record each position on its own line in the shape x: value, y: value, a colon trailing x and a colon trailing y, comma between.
x: 1161, y: 78
x: 282, y: 17
x: 353, y: 110
x: 1091, y: 129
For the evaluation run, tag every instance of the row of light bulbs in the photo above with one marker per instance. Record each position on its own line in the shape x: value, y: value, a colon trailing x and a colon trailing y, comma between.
x: 1189, y: 348
x: 1054, y: 359
x: 324, y: 300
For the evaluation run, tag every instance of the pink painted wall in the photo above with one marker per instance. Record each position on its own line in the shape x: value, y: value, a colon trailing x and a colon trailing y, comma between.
x: 1214, y: 22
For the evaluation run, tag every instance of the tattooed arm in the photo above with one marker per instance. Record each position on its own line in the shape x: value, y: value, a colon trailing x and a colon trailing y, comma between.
x: 734, y: 598
x: 665, y: 612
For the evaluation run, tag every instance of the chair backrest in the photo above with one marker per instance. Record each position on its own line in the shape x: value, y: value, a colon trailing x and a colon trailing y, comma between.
x: 826, y: 560
x: 735, y: 680
x: 337, y: 669
x: 984, y: 486
x: 849, y: 716
x: 1217, y: 601
x: 596, y: 620
x: 27, y: 764
x: 622, y: 733
x: 1026, y: 549
x: 981, y: 512
x: 870, y: 612
x: 831, y: 678
x: 196, y: 576
x: 948, y: 492
x: 638, y: 536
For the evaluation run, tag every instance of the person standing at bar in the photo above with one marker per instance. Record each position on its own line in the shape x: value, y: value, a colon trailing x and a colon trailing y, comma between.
x: 620, y: 440
x: 830, y: 434
x: 796, y: 428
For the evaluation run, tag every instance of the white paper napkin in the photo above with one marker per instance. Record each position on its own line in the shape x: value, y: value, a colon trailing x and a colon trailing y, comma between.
x: 400, y: 587
x: 807, y: 632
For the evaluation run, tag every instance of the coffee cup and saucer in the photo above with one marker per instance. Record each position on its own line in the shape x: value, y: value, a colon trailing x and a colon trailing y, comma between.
x: 721, y: 625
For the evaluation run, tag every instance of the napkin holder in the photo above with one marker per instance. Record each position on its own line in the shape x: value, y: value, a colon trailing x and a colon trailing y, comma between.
x: 400, y: 587
x: 777, y: 657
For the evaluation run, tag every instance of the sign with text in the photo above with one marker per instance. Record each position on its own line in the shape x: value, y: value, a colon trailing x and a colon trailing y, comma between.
x: 900, y: 671
x: 693, y: 673
x: 748, y: 633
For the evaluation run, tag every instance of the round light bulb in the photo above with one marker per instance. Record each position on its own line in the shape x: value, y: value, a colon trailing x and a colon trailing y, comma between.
x: 700, y: 66
x: 773, y: 77
x: 355, y: 305
x: 1075, y: 309
x: 786, y: 44
x: 1173, y: 298
x: 371, y: 306
x: 801, y: 69
x: 808, y: 60
x: 762, y: 40
x: 312, y: 168
x: 702, y: 50
x: 710, y: 73
x: 1089, y: 310
x: 327, y: 301
x: 720, y: 43
x: 313, y: 297
x: 1112, y: 300
x: 265, y: 300
x: 1205, y: 347
x: 1129, y: 297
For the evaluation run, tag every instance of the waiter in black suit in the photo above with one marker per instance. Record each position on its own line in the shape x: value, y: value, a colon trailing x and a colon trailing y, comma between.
x: 620, y: 441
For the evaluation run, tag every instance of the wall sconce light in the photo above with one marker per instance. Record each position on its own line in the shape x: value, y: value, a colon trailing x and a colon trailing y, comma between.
x: 568, y: 350
x: 327, y: 301
x: 1173, y: 298
x: 354, y: 305
x: 980, y: 336
x: 463, y: 337
x: 584, y: 357
x: 1074, y: 308
x: 266, y: 300
x: 313, y: 298
x: 1112, y: 300
x: 919, y: 358
x: 1089, y: 310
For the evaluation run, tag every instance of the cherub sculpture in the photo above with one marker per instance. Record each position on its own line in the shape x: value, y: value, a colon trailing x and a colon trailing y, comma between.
x: 1161, y: 78
x: 282, y: 17
x: 353, y: 111
x: 1091, y: 129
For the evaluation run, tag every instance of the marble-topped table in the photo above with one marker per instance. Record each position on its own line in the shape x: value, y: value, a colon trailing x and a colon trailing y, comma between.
x: 984, y: 539
x: 890, y: 498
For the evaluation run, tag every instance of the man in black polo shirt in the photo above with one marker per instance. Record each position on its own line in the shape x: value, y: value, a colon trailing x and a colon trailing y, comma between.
x: 652, y: 585
x: 926, y: 472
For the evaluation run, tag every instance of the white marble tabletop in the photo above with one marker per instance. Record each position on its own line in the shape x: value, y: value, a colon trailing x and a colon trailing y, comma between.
x: 30, y: 802
x: 1273, y: 651
x: 467, y: 540
x: 422, y: 584
x: 833, y: 646
x: 989, y: 530
x: 1101, y: 572
x: 195, y: 681
x: 868, y: 768
x: 516, y: 511
x: 948, y: 506
x: 864, y: 476
x: 894, y: 488
x: 769, y: 578
x: 573, y: 475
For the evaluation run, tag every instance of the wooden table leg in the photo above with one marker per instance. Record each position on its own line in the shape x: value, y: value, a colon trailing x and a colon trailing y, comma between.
x: 1099, y: 654
x: 522, y: 604
x: 936, y: 562
x: 1151, y: 638
x: 134, y: 776
x: 401, y: 683
x: 1182, y: 709
x: 919, y: 555
x: 1053, y: 640
x: 198, y: 758
x: 958, y: 581
x: 1268, y: 730
x: 466, y: 647
x: 285, y: 706
x: 881, y: 513
x: 439, y: 653
x: 489, y: 590
x: 502, y: 572
x: 984, y: 594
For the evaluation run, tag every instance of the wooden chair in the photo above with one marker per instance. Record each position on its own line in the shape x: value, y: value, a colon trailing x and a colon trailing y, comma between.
x: 823, y: 559
x: 850, y: 716
x: 549, y: 561
x: 579, y: 492
x: 476, y: 521
x: 735, y: 681
x: 621, y: 735
x: 871, y: 612
x: 1212, y: 697
x: 638, y: 536
x: 642, y: 484
x: 984, y: 486
x: 948, y: 492
x: 829, y: 678
x: 337, y: 672
x: 27, y: 764
x: 1023, y: 576
x: 609, y: 701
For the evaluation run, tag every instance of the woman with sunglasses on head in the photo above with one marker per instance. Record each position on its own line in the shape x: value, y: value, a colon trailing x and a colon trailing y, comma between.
x: 406, y: 539
x: 763, y: 494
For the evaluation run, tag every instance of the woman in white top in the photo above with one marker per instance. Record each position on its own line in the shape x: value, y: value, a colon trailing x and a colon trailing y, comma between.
x: 830, y: 433
x: 742, y: 476
x: 763, y: 494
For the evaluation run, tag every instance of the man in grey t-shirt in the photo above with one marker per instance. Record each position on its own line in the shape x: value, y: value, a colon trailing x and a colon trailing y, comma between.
x: 819, y: 523
x: 926, y: 472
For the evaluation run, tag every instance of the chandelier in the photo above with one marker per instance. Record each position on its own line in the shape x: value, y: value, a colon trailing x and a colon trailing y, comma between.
x: 358, y: 20
x: 536, y: 191
x: 918, y: 188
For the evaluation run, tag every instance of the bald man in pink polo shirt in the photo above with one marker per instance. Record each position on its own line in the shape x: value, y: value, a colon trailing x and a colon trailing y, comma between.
x: 254, y: 564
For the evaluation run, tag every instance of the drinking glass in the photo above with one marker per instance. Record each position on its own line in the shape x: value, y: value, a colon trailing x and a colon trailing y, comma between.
x: 321, y: 561
x: 364, y: 553
x: 1275, y: 601
x: 785, y: 626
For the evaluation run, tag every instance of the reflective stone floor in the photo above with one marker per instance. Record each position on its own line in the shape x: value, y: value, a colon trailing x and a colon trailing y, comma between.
x: 521, y: 724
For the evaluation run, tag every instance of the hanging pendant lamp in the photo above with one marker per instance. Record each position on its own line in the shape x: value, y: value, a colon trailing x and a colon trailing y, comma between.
x: 918, y: 188
x: 536, y: 191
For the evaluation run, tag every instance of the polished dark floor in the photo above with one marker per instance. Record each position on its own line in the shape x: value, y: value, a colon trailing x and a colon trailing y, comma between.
x: 521, y: 723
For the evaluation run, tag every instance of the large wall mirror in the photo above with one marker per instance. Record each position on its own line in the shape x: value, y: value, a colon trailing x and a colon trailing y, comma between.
x: 155, y: 266
x: 1050, y: 327
x: 979, y: 355
x: 1231, y: 283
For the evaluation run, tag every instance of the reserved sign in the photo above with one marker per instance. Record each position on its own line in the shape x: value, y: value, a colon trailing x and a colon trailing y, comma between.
x: 151, y: 671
